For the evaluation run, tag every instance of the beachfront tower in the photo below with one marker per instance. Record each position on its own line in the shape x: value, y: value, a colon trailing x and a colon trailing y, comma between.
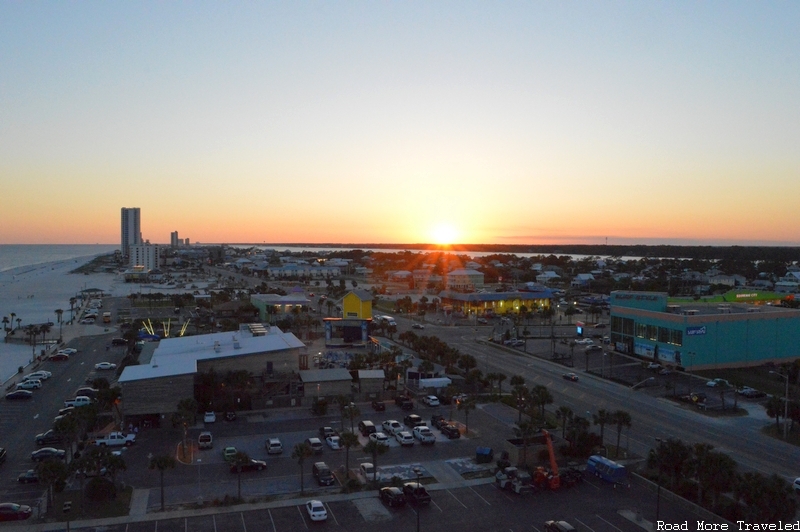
x: 131, y: 230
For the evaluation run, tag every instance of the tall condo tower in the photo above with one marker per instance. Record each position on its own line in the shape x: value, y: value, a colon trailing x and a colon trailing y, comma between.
x: 131, y: 230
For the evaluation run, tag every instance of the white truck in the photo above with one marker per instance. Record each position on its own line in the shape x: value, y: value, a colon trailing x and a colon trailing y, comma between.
x: 116, y: 439
x: 81, y: 400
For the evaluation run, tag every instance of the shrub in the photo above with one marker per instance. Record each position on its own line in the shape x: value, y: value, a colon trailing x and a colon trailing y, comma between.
x: 100, y: 489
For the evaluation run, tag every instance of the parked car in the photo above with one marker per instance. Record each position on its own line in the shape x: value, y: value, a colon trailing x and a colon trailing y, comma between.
x: 37, y: 375
x: 424, y: 435
x: 87, y: 321
x: 32, y: 384
x: 366, y: 427
x: 334, y: 442
x: 416, y: 493
x: 228, y: 453
x: 28, y: 476
x: 68, y: 350
x: 379, y: 438
x: 252, y: 465
x: 393, y: 496
x: 570, y: 377
x: 438, y: 421
x: 392, y: 426
x: 322, y: 473
x: 751, y: 393
x: 405, y: 439
x: 46, y: 438
x: 483, y: 321
x: 431, y: 400
x: 119, y: 341
x: 316, y: 511
x: 273, y: 446
x: 654, y: 366
x: 209, y: 417
x: 413, y: 420
x: 558, y: 526
x: 315, y: 444
x: 584, y: 341
x: 405, y: 403
x: 713, y: 383
x: 59, y: 357
x: 10, y: 511
x: 47, y: 453
x: 417, y: 326
x: 324, y: 432
x: 102, y: 366
x: 451, y: 431
x: 378, y: 406
x: 19, y: 394
x: 205, y: 440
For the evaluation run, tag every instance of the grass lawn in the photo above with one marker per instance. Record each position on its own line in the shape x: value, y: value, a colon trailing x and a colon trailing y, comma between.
x: 91, y: 510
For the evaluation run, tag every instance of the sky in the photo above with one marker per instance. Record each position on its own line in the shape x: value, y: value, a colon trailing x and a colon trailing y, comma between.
x: 401, y: 122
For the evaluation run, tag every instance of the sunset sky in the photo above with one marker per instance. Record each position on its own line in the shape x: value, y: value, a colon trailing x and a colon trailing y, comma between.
x: 401, y: 122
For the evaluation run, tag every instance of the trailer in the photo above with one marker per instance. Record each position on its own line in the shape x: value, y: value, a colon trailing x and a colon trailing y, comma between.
x: 608, y: 470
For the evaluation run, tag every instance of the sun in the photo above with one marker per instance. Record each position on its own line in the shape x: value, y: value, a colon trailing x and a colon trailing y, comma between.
x: 444, y: 234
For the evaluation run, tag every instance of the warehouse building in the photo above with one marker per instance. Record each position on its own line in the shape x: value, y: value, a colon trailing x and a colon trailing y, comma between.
x: 699, y: 335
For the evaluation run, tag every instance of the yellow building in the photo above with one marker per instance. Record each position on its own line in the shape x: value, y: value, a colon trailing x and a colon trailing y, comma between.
x: 352, y: 329
x: 357, y: 304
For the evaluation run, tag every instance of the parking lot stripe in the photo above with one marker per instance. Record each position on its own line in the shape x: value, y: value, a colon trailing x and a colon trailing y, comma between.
x: 186, y: 524
x: 301, y: 517
x: 456, y: 498
x: 330, y: 512
x: 479, y: 495
x: 584, y: 524
x: 609, y: 524
x: 272, y: 520
x: 214, y: 521
x: 434, y: 503
x: 244, y: 526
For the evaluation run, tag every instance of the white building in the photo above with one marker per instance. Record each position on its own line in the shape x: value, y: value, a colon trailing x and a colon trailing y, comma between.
x: 146, y: 255
x: 131, y: 230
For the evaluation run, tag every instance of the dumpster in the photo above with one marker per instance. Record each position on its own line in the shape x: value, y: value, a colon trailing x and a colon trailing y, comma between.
x: 484, y: 455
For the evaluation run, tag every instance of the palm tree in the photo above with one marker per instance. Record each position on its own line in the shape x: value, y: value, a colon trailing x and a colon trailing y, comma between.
x: 375, y: 449
x: 500, y: 377
x: 541, y: 397
x: 602, y: 418
x: 240, y: 459
x: 72, y: 302
x: 52, y: 472
x: 5, y: 324
x: 348, y: 440
x: 44, y: 329
x: 774, y: 408
x: 69, y: 427
x: 300, y: 452
x: 672, y: 456
x: 565, y: 414
x: 162, y: 463
x: 525, y: 431
x: 185, y: 416
x: 467, y: 406
x: 59, y: 313
x: 621, y: 419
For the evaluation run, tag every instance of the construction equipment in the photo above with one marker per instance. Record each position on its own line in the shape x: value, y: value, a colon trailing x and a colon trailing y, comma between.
x: 543, y: 478
x: 513, y: 479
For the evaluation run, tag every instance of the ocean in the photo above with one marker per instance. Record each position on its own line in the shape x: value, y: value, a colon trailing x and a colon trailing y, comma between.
x: 19, y: 255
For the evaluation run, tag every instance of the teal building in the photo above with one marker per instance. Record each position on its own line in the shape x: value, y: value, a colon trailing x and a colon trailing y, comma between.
x: 699, y: 335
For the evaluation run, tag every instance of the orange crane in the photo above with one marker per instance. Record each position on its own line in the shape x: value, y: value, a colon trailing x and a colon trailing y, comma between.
x: 548, y: 479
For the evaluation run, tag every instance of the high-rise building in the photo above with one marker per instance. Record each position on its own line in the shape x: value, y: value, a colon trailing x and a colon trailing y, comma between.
x: 147, y: 256
x: 174, y: 241
x: 131, y: 230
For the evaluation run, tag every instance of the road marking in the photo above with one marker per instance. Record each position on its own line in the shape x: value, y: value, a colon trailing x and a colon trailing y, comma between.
x: 456, y: 498
x: 302, y: 518
x: 330, y: 512
x: 272, y: 521
x: 584, y: 524
x: 536, y: 529
x: 214, y: 521
x: 609, y: 524
x: 36, y: 416
x: 243, y: 525
x: 437, y: 506
x: 156, y: 528
x: 479, y: 495
x: 186, y: 524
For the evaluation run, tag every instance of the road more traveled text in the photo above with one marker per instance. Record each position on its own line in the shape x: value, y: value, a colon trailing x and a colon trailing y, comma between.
x: 740, y: 525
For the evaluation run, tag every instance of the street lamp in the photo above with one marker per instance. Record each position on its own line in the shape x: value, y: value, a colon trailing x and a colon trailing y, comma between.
x: 417, y: 472
x: 785, y: 404
x: 658, y: 478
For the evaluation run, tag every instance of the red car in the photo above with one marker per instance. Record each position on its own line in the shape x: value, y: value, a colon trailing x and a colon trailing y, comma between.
x: 59, y: 357
x: 10, y: 511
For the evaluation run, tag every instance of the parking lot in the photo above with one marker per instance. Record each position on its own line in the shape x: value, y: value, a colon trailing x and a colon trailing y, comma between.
x: 590, y: 506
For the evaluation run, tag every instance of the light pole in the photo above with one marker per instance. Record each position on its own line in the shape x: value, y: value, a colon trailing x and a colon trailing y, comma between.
x: 417, y: 472
x: 658, y: 478
x: 785, y: 404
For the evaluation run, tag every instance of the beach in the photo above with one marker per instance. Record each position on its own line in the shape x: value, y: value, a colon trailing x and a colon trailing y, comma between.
x: 34, y: 293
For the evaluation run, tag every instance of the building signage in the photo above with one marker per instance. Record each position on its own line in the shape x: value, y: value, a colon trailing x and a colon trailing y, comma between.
x: 695, y: 331
x: 636, y: 297
x: 739, y: 296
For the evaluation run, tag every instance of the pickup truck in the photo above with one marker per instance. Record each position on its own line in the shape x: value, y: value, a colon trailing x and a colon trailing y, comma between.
x: 81, y: 400
x: 115, y: 439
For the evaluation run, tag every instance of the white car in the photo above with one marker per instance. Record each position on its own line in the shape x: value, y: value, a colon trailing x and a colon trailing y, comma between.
x: 40, y: 375
x: 380, y: 438
x: 717, y: 382
x: 424, y: 434
x: 392, y: 426
x: 431, y: 400
x: 405, y: 439
x: 105, y: 365
x: 316, y: 510
x: 584, y: 341
x: 334, y: 442
x: 68, y: 350
x: 87, y: 321
x: 33, y: 384
x: 209, y: 417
